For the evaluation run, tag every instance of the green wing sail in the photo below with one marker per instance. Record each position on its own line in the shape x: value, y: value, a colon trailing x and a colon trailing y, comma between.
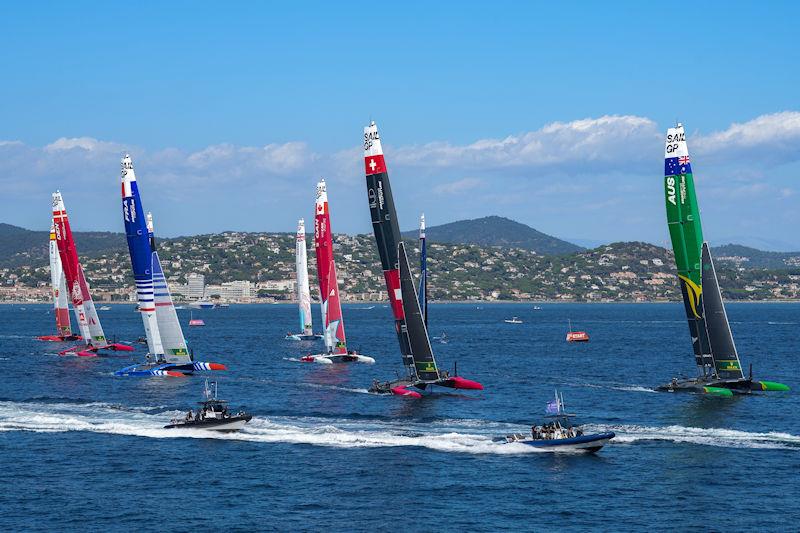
x: 683, y: 220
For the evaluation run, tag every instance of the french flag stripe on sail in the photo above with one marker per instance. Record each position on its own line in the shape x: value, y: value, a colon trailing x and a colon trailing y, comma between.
x: 374, y: 164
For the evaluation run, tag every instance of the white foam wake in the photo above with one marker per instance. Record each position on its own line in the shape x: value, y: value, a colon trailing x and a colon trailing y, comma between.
x: 445, y: 435
x: 726, y: 438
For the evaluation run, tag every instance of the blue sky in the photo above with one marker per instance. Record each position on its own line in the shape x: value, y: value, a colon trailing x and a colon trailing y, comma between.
x: 232, y: 112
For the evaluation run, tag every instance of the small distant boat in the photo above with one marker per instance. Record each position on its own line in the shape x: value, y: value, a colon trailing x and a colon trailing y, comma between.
x: 221, y: 306
x: 179, y: 307
x: 576, y: 336
x: 202, y: 304
x: 537, y: 308
x: 212, y: 415
x: 195, y: 321
x: 443, y: 338
x: 513, y: 320
x: 559, y: 435
x: 104, y: 308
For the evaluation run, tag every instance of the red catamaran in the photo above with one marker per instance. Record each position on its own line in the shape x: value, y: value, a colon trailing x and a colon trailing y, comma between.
x: 335, y: 341
x: 412, y: 333
x: 78, y: 289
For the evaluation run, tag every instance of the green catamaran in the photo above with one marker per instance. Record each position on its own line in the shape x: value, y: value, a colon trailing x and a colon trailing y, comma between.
x: 719, y: 368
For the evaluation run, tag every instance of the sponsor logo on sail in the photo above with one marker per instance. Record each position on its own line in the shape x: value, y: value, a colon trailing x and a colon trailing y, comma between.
x: 671, y: 190
x: 695, y: 292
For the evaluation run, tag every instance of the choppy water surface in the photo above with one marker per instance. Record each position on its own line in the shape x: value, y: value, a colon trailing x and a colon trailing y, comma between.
x: 82, y: 448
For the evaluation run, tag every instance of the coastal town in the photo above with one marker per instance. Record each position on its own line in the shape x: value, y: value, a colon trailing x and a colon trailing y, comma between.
x: 239, y: 267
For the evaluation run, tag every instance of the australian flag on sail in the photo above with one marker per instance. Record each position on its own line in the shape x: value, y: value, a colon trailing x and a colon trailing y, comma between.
x: 552, y: 407
x: 677, y: 165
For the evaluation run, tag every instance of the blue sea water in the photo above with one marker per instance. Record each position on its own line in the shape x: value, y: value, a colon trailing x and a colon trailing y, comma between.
x: 82, y: 449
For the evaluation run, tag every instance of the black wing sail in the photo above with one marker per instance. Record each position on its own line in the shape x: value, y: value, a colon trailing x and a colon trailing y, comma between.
x: 720, y: 338
x: 414, y: 328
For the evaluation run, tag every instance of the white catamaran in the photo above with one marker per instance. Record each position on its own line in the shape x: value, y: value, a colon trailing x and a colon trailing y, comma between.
x: 303, y: 291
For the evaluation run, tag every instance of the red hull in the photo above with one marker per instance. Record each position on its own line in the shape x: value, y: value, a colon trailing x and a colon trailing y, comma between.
x: 58, y: 338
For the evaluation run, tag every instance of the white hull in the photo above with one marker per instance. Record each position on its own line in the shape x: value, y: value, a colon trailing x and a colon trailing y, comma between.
x: 329, y: 359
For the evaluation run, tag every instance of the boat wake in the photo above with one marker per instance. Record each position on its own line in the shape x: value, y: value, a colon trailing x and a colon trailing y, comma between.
x: 444, y: 436
x: 622, y: 387
x: 725, y: 438
x: 469, y: 436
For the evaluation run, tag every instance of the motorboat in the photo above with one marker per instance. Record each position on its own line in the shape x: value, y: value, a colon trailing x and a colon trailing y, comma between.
x: 213, y: 415
x: 559, y: 435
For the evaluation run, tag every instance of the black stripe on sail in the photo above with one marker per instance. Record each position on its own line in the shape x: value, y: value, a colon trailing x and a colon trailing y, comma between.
x: 384, y: 219
x: 723, y: 349
x: 415, y: 331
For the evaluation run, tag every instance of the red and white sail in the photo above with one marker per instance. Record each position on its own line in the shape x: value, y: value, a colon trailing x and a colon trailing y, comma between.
x: 59, y: 287
x: 303, y: 289
x: 326, y: 272
x: 76, y: 284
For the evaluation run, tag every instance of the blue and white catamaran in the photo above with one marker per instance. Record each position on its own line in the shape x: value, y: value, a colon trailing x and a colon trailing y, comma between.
x: 168, y: 354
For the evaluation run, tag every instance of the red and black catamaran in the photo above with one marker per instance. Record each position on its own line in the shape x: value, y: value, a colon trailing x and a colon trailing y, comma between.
x: 412, y: 333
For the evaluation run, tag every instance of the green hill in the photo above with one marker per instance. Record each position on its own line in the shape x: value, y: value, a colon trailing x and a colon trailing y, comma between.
x: 497, y: 231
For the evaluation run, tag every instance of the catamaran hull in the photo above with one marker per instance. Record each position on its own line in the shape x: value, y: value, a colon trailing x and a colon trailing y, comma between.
x: 301, y: 337
x: 57, y: 338
x: 95, y: 351
x: 329, y: 359
x: 721, y: 387
x: 401, y: 387
x: 584, y: 443
x: 234, y: 423
x: 166, y: 369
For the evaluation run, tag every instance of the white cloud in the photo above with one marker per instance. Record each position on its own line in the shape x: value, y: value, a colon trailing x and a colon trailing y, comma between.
x: 88, y: 144
x: 568, y: 146
x: 769, y: 139
x: 588, y: 177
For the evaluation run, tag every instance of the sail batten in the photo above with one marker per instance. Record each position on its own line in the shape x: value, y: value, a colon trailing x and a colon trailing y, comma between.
x: 333, y: 322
